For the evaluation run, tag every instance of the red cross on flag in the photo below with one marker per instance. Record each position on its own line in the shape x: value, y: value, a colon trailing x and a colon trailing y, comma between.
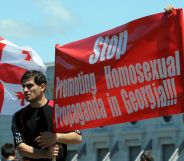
x: 14, y: 61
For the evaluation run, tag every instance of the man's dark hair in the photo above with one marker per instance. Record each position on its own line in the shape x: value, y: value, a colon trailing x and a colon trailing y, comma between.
x: 38, y: 77
x: 7, y: 150
x: 146, y: 156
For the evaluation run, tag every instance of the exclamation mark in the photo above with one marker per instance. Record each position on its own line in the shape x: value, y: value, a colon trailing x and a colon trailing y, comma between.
x: 167, y: 92
x: 177, y: 58
x: 156, y: 94
x: 170, y: 90
x: 174, y: 90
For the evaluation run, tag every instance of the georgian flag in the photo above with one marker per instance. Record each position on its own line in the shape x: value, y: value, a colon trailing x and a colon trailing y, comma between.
x: 14, y: 61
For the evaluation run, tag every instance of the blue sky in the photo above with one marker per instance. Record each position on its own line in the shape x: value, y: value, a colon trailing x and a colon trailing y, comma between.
x: 41, y: 24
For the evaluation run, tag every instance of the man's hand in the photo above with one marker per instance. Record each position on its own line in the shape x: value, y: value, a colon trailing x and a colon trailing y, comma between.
x: 35, y: 153
x: 46, y: 139
x: 53, y: 151
x: 169, y: 8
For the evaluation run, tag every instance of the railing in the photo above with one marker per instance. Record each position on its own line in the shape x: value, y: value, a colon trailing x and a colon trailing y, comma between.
x: 139, y: 156
x: 75, y: 158
x: 107, y: 157
x: 147, y: 147
x: 175, y: 155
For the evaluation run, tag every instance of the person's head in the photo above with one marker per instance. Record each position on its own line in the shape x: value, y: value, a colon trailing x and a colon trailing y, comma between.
x: 8, y: 151
x: 146, y: 156
x: 34, y: 85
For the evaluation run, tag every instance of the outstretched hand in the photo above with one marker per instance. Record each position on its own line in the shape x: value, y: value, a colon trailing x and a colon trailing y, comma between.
x: 46, y: 139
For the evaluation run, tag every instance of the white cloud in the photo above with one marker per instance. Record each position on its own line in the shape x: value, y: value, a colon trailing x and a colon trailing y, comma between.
x: 55, y: 10
x: 56, y: 19
x: 17, y: 29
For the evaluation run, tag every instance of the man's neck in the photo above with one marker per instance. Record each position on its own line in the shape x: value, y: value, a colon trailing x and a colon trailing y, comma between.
x: 39, y: 103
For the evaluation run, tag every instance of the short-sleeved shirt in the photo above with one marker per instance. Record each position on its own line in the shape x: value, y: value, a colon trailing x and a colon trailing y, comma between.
x: 27, y: 124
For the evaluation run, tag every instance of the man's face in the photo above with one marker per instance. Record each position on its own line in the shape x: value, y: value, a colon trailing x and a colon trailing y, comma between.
x: 32, y: 91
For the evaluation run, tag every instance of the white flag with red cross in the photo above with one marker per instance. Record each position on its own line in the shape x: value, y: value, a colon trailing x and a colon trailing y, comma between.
x: 14, y: 61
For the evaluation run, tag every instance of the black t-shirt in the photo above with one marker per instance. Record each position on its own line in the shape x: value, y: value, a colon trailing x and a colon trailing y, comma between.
x: 27, y: 124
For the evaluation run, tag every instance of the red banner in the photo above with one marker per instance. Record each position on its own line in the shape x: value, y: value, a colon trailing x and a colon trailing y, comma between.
x: 132, y: 72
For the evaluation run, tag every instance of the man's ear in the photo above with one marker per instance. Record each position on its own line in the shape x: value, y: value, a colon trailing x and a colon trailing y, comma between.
x: 43, y: 87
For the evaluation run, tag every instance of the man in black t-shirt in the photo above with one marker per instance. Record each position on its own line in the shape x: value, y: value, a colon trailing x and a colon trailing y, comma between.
x: 32, y: 126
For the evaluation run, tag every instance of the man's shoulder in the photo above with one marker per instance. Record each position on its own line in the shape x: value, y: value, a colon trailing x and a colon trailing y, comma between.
x: 49, y: 105
x: 22, y: 110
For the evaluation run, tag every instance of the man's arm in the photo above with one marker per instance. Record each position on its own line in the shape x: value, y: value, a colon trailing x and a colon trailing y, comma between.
x: 47, y: 138
x: 34, y: 153
x: 69, y: 138
x: 29, y: 151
